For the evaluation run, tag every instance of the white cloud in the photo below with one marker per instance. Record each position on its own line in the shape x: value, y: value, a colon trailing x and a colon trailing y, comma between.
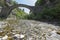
x: 31, y: 2
x: 25, y: 9
x: 28, y: 2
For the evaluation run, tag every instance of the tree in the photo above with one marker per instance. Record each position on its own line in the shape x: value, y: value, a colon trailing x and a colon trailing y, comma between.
x: 46, y: 10
x: 39, y: 9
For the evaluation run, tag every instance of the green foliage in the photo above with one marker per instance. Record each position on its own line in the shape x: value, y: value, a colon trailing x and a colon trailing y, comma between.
x: 21, y: 14
x: 40, y: 2
x: 47, y: 13
x: 4, y: 3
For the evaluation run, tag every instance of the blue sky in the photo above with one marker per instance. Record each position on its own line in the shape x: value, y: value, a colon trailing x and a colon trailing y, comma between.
x: 28, y: 2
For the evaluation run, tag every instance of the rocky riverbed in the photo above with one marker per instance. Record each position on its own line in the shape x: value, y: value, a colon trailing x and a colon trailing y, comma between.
x: 18, y: 29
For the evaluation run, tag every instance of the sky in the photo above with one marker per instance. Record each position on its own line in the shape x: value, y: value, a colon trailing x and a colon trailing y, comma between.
x: 27, y: 2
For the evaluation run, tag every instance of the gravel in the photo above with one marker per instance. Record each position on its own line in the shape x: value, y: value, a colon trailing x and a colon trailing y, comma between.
x: 35, y: 30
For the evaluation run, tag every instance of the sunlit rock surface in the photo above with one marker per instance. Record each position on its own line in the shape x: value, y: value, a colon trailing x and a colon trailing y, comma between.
x: 18, y: 29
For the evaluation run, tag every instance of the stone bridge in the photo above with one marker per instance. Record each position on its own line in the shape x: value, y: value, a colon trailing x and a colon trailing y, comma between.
x: 7, y: 10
